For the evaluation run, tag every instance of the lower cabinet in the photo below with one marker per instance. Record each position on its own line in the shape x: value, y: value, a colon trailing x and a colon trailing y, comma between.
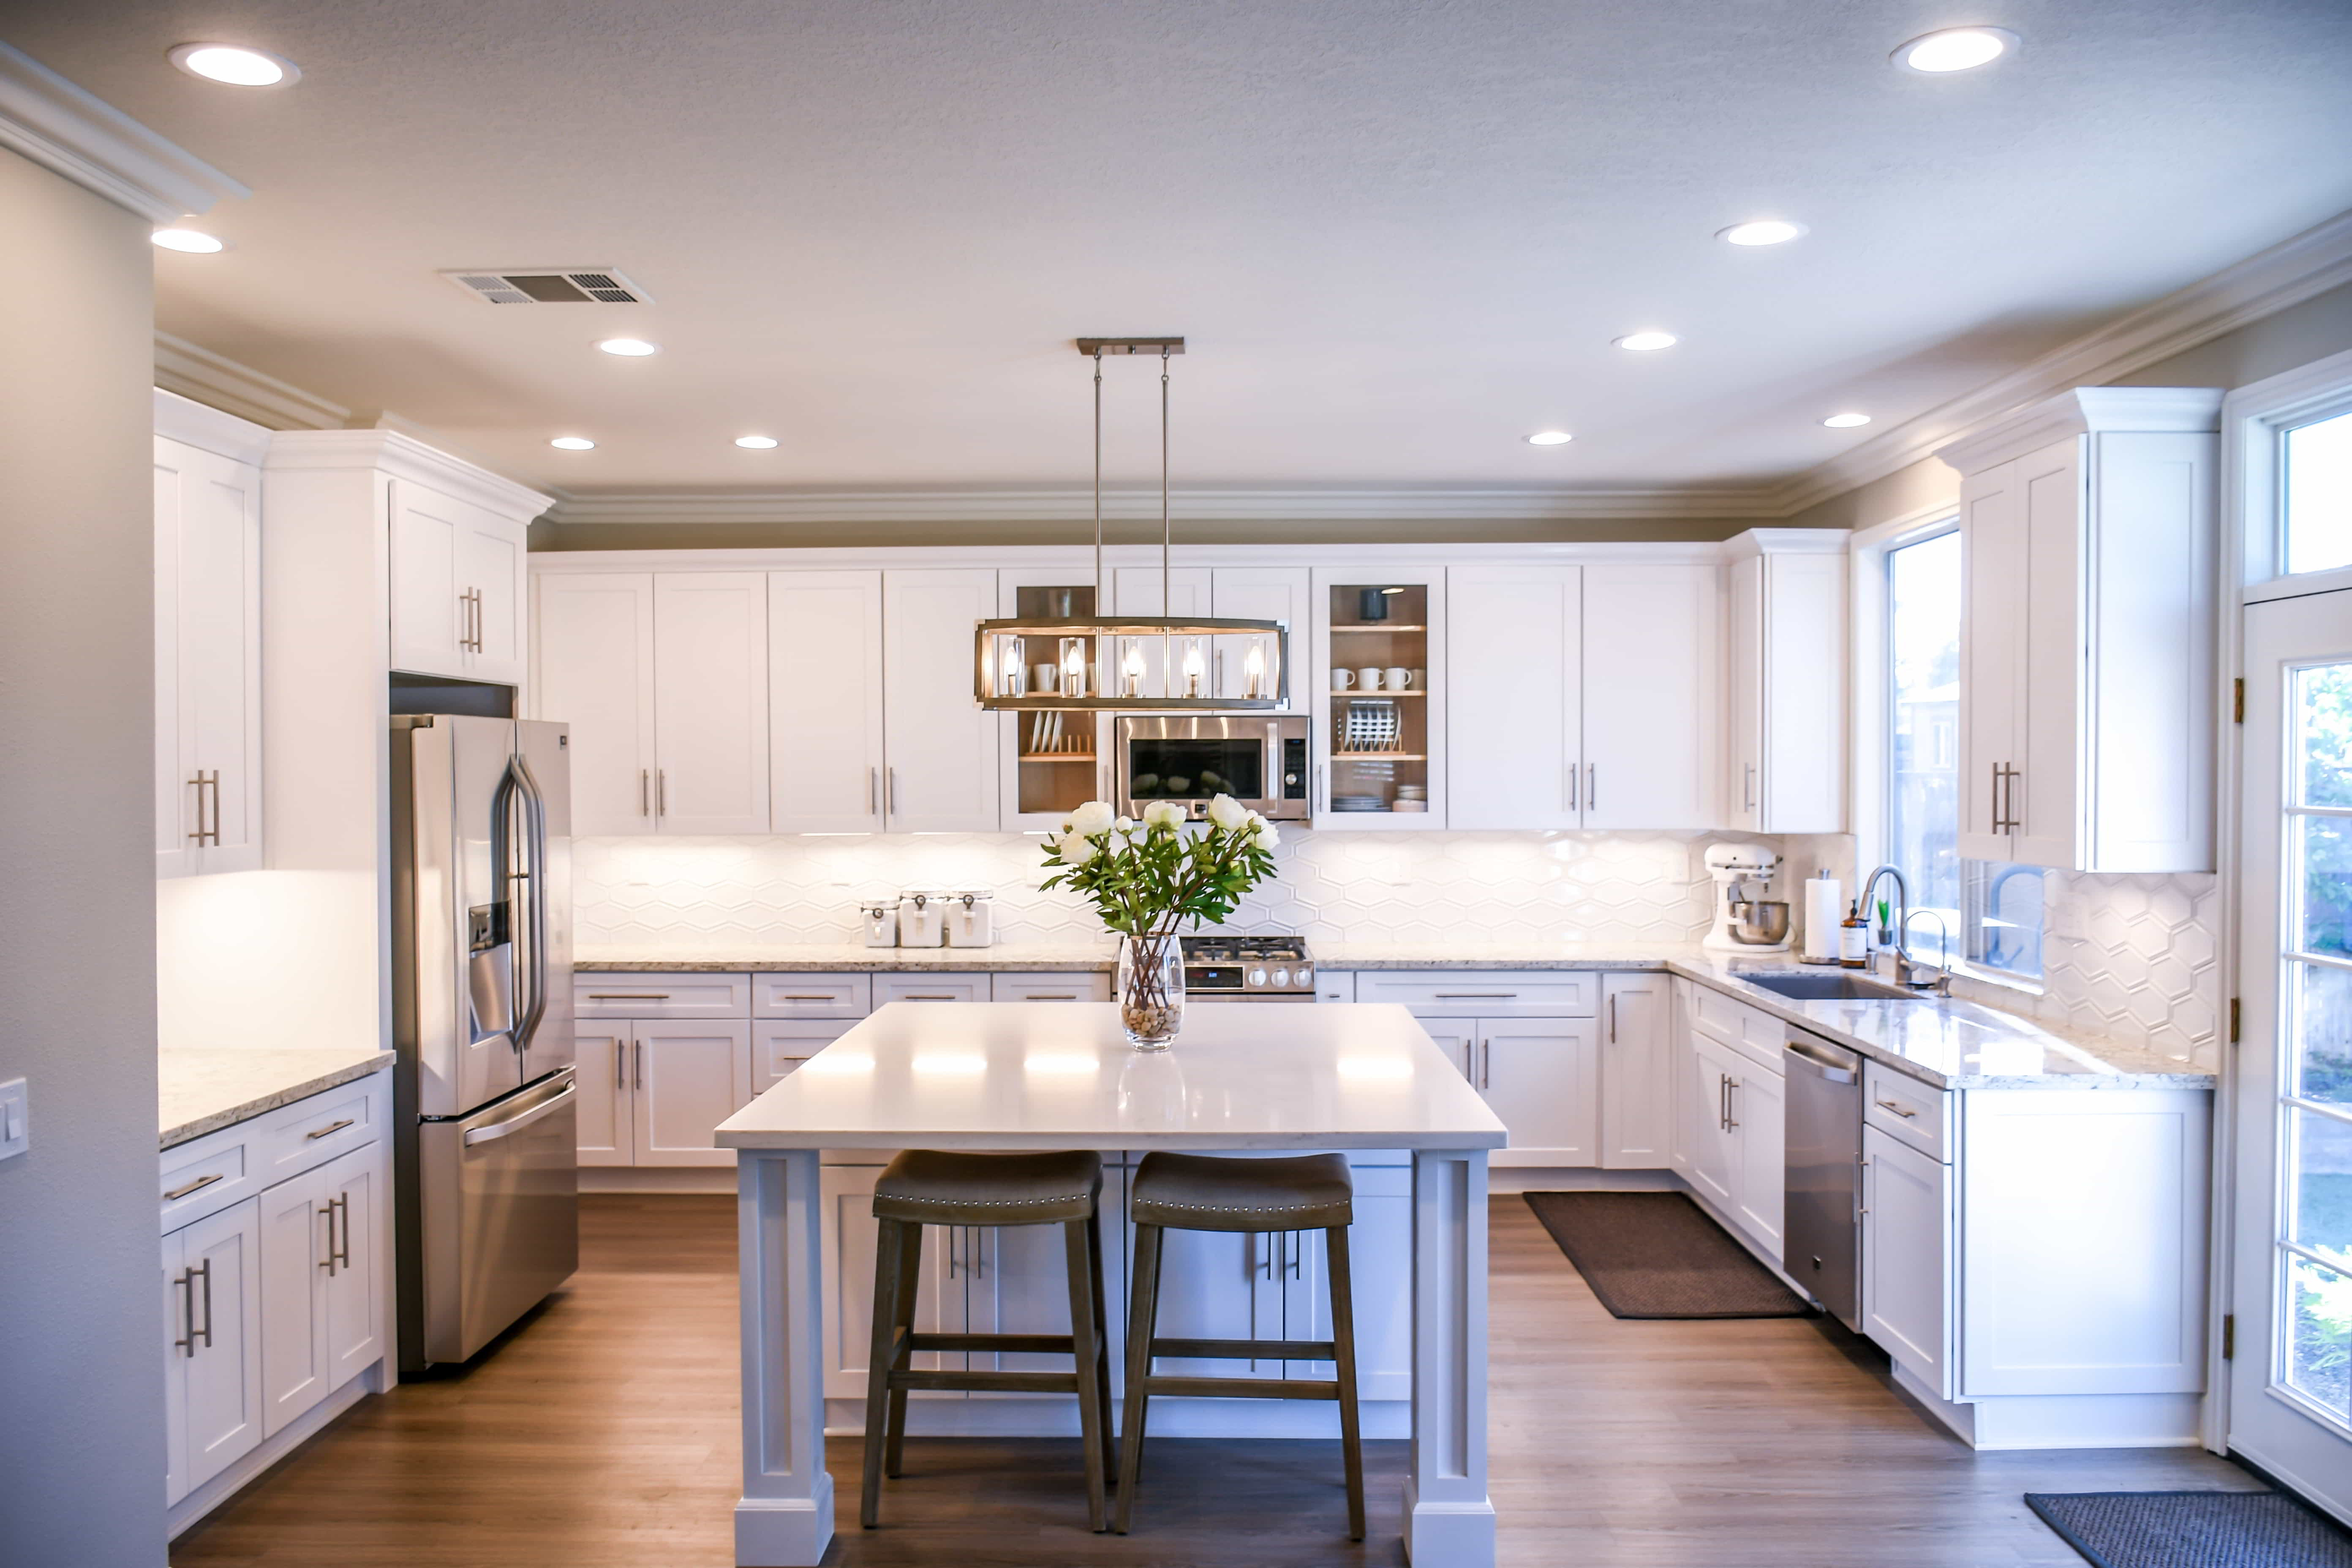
x: 1541, y: 1075
x: 214, y: 1400
x: 320, y: 1297
x: 1906, y: 1228
x: 1727, y: 1118
x: 652, y: 1089
x: 1637, y: 1071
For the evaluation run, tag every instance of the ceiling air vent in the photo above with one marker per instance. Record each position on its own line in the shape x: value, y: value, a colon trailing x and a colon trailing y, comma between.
x: 549, y: 286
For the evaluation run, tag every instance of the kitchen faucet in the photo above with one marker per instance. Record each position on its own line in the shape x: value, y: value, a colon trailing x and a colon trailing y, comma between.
x: 1904, y: 965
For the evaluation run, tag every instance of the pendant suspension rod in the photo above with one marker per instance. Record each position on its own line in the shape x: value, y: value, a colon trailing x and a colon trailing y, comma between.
x: 1102, y: 603
x: 1166, y: 601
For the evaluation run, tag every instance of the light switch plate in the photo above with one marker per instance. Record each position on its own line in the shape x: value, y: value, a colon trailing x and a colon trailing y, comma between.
x: 16, y: 1112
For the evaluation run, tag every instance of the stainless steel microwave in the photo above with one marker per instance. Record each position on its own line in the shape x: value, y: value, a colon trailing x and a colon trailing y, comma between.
x: 1259, y: 759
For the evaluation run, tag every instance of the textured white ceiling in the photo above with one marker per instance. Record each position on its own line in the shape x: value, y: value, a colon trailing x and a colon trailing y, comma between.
x: 1400, y: 235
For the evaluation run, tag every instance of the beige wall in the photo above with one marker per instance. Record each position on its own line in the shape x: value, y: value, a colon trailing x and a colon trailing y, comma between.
x: 82, y: 1439
x: 553, y: 536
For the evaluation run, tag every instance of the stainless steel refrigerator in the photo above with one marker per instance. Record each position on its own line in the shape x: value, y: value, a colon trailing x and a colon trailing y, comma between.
x: 484, y: 1096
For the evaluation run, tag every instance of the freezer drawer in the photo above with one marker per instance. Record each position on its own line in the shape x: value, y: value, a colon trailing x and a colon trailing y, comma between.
x: 500, y: 1199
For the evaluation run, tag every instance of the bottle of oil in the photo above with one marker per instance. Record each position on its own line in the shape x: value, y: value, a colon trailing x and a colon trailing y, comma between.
x: 1853, y: 939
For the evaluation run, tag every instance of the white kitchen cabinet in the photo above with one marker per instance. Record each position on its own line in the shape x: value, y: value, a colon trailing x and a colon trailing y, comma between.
x: 1715, y: 1162
x: 1378, y: 748
x: 320, y: 1305
x: 940, y: 772
x: 846, y: 1232
x: 594, y: 670
x: 1759, y: 1110
x: 213, y: 1381
x: 710, y: 702
x: 458, y: 586
x: 1906, y: 1232
x: 652, y: 1090
x: 1514, y: 649
x: 1786, y: 701
x: 1458, y: 1039
x: 1260, y: 593
x: 207, y: 640
x: 1651, y: 708
x: 826, y: 701
x: 1542, y: 1077
x: 1733, y: 1107
x: 1636, y: 1071
x: 781, y: 1047
x: 2086, y: 713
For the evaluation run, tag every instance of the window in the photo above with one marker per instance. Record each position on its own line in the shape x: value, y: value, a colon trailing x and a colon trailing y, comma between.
x: 2318, y: 494
x: 1989, y: 911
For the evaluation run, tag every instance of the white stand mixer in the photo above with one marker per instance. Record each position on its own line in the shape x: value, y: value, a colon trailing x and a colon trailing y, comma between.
x: 1746, y: 921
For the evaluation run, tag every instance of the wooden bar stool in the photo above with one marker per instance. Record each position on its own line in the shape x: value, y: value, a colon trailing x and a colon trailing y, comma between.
x: 1199, y: 1192
x: 922, y: 1187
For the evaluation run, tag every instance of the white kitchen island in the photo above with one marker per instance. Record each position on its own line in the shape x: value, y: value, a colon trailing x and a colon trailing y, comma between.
x: 1061, y: 1076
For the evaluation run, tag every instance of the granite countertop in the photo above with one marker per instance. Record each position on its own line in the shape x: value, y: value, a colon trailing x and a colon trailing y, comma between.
x: 1949, y: 1043
x: 202, y: 1089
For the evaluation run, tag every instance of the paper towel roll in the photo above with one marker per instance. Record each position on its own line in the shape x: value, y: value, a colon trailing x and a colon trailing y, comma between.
x: 1824, y: 913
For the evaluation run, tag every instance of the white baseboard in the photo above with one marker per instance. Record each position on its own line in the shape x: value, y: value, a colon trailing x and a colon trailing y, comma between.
x: 229, y: 1482
x: 1057, y: 1416
x: 2064, y: 1420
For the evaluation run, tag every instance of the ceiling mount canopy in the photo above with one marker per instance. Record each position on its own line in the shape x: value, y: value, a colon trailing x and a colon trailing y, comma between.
x: 1094, y: 663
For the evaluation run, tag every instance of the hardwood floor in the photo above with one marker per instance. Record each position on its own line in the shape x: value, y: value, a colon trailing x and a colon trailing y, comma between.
x: 603, y: 1434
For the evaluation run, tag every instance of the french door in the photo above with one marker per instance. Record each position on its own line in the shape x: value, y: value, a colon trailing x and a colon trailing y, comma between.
x: 2291, y: 1387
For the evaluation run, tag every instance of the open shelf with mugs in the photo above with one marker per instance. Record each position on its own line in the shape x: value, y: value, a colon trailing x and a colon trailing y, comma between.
x: 1379, y: 709
x: 1053, y: 761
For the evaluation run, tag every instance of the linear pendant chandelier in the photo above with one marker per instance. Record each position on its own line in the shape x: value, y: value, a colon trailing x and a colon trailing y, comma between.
x: 1100, y: 663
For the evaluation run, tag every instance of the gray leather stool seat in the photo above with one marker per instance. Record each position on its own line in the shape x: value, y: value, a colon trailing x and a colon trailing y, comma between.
x: 926, y: 1187
x: 1200, y: 1192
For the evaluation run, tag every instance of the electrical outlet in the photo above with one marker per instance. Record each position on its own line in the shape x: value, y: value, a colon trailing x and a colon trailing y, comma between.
x: 16, y: 1112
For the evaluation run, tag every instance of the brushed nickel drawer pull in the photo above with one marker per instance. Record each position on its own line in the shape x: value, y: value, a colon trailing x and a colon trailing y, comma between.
x: 200, y: 1182
x: 827, y: 996
x: 330, y: 1127
x: 1897, y: 1108
x: 628, y: 996
x: 1478, y: 995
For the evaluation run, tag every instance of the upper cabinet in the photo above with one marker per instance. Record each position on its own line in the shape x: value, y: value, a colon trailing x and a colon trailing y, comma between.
x: 825, y: 701
x: 1378, y: 696
x: 207, y: 639
x: 1785, y: 702
x: 1583, y: 697
x: 939, y: 767
x: 2086, y: 651
x: 458, y: 586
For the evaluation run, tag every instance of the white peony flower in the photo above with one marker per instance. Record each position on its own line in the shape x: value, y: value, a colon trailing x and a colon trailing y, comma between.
x: 1267, y: 835
x: 1077, y: 848
x: 1228, y: 813
x: 1095, y: 816
x: 1125, y: 825
x: 1163, y: 813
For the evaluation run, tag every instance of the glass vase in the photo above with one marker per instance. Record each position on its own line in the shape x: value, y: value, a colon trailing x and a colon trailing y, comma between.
x: 1150, y: 990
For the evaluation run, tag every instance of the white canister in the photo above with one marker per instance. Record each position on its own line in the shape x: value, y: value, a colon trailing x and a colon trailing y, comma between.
x: 972, y: 917
x: 880, y: 918
x: 922, y: 919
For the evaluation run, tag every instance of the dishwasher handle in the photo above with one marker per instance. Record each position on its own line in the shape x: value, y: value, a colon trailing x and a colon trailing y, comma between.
x: 1822, y: 1061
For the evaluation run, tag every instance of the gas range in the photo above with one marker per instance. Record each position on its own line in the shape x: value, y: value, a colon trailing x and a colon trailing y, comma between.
x: 1248, y: 969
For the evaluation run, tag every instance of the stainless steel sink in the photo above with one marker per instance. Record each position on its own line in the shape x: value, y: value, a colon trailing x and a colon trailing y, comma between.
x: 1833, y: 988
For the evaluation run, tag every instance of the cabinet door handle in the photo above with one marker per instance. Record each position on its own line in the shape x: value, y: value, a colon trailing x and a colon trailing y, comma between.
x: 628, y: 996
x: 330, y: 1129
x: 792, y: 997
x: 1592, y: 786
x: 928, y: 996
x: 197, y: 783
x: 327, y: 1213
x: 661, y: 793
x: 1051, y: 996
x: 343, y: 1202
x: 620, y: 1066
x: 637, y: 1056
x: 197, y: 1186
x: 1897, y: 1107
x: 1322, y: 786
x: 204, y: 1271
x: 873, y: 783
x: 1730, y: 1101
x: 1485, y: 1062
x: 890, y: 790
x: 1575, y: 791
x: 1612, y: 1018
x: 1747, y: 788
x: 1722, y: 1101
x: 187, y: 1343
x: 1478, y: 995
x: 644, y: 792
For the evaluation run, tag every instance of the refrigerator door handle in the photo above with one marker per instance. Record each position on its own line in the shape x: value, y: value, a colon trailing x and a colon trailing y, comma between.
x: 532, y: 874
x: 513, y: 1125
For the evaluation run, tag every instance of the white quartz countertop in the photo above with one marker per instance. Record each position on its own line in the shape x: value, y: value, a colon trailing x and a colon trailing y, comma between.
x: 1060, y: 1075
x: 807, y: 957
x: 202, y: 1089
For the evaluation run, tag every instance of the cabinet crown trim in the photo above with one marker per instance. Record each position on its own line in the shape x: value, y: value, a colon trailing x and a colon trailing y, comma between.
x: 192, y: 423
x: 2087, y: 410
x: 1787, y: 542
x: 403, y: 458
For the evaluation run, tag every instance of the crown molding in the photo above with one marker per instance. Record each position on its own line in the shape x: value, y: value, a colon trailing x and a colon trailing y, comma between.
x: 2265, y: 283
x: 99, y: 148
x: 204, y: 376
x: 1075, y: 504
x: 2088, y: 411
x: 403, y: 458
x: 202, y: 425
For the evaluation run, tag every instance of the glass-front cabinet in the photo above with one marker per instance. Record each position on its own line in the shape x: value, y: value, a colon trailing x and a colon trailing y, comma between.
x: 1378, y: 698
x: 1053, y: 762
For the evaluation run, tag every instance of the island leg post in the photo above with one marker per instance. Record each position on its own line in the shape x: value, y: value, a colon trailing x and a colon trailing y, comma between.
x: 1449, y: 1517
x: 784, y: 1519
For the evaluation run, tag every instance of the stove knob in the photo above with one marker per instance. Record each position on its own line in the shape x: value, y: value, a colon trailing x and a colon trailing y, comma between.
x: 1282, y: 979
x: 1304, y: 975
x: 1258, y: 977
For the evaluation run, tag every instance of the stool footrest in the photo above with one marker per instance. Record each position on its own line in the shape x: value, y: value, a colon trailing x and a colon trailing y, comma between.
x: 1245, y: 1349
x: 989, y: 1381
x: 1029, y: 1345
x: 1238, y: 1387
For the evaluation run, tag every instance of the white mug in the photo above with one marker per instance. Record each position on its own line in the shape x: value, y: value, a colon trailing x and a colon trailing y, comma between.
x: 1342, y: 678
x: 1397, y: 677
x: 1369, y: 678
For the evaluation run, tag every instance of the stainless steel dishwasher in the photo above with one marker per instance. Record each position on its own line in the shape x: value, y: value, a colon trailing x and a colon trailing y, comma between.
x: 1820, y: 1246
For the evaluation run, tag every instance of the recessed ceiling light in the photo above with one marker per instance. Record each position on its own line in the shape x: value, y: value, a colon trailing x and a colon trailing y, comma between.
x: 194, y: 241
x: 755, y: 443
x: 1551, y: 439
x: 1846, y: 421
x: 629, y: 348
x: 1761, y: 231
x: 237, y: 65
x: 1956, y: 49
x: 1642, y: 342
x: 573, y: 444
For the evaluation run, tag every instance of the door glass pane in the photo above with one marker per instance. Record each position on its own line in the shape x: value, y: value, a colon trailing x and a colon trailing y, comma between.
x: 2325, y: 922
x: 2319, y: 1321
x: 2323, y: 1036
x: 2322, y: 1184
x: 2318, y: 460
x: 2323, y: 710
